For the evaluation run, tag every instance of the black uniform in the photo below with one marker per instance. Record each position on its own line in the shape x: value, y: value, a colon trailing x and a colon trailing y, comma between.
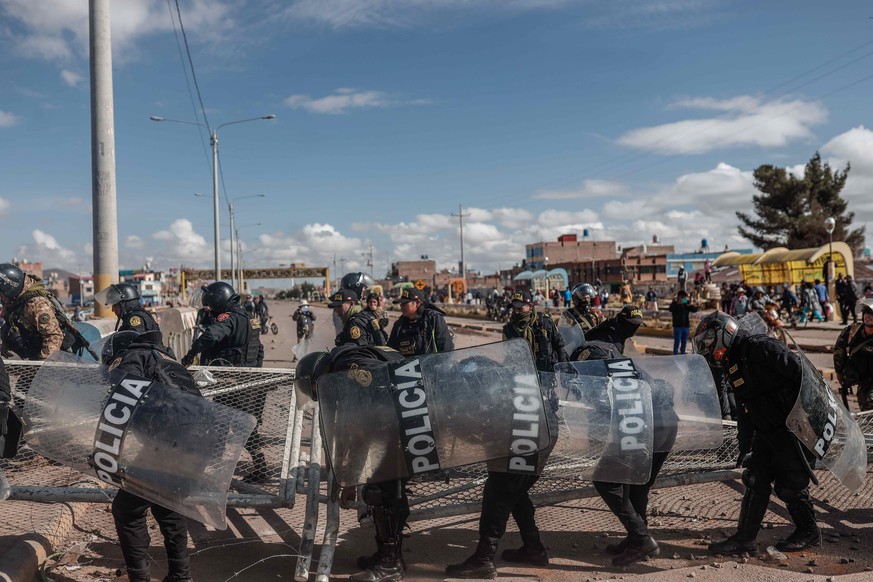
x: 5, y: 403
x: 148, y: 359
x: 614, y: 330
x: 232, y: 337
x: 134, y: 317
x: 765, y: 377
x: 387, y: 501
x: 428, y: 334
x: 853, y: 362
x: 358, y: 329
x: 378, y: 325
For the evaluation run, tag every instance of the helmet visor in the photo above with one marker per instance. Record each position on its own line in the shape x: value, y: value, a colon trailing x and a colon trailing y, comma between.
x: 704, y: 342
x: 195, y: 299
x: 109, y: 296
x: 864, y: 306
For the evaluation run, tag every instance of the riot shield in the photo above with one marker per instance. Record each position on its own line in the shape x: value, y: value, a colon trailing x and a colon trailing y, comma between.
x: 754, y: 324
x: 824, y: 426
x: 170, y: 447
x: 684, y: 402
x: 434, y: 412
x: 607, y: 410
x: 571, y: 332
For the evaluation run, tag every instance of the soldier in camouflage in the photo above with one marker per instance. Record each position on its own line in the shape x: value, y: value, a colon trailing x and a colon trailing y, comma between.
x: 581, y: 312
x: 33, y: 329
x: 853, y: 356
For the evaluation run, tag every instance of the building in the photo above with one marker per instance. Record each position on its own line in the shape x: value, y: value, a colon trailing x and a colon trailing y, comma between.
x: 567, y: 250
x: 412, y: 271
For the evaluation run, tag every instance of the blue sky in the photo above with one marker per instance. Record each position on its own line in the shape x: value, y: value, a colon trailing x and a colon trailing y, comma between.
x: 626, y: 118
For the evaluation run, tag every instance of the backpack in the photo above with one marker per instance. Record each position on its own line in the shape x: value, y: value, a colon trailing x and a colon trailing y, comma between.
x: 170, y: 372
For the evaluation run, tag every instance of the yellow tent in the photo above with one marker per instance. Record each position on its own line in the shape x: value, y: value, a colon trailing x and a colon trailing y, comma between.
x: 780, y: 265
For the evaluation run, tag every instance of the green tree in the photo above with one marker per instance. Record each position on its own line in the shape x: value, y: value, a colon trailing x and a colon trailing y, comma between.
x: 791, y: 211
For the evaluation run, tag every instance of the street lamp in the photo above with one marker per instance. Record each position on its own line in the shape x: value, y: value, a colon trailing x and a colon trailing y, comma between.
x: 214, y: 141
x: 830, y: 224
x: 239, y: 253
x: 233, y: 232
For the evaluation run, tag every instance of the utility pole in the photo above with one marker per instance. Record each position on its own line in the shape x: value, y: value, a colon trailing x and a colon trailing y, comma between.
x: 461, y: 217
x: 369, y: 256
x: 105, y: 217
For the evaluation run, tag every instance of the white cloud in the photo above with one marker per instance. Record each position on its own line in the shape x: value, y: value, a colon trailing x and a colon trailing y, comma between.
x: 183, y: 245
x: 589, y: 189
x: 134, y: 242
x: 746, y: 122
x: 71, y: 78
x: 855, y: 147
x: 47, y: 250
x: 4, y: 206
x: 8, y: 119
x: 57, y: 30
x: 344, y: 100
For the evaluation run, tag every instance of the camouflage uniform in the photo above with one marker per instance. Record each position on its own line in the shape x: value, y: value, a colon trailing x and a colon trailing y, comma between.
x: 853, y: 362
x: 32, y: 329
x: 587, y: 320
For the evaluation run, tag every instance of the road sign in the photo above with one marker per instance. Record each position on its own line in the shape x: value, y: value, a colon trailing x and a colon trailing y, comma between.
x: 420, y: 285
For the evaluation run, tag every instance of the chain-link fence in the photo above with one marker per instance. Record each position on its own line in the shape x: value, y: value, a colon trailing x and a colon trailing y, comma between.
x: 283, y: 457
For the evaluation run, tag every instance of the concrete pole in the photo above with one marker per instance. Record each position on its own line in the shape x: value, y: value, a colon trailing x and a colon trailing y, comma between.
x: 216, y: 209
x: 232, y: 264
x: 105, y: 216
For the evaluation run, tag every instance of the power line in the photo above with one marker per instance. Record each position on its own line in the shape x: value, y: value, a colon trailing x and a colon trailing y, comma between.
x: 191, y: 62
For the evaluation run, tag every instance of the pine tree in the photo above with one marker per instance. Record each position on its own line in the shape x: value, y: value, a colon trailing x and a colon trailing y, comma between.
x: 791, y: 211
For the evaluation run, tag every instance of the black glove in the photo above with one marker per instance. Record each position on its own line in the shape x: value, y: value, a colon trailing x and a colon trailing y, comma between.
x: 187, y: 359
x: 4, y: 413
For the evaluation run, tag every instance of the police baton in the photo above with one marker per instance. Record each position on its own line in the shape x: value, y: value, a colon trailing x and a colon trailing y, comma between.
x: 805, y: 463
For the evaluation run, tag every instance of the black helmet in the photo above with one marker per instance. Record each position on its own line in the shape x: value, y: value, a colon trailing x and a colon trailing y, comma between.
x: 357, y: 281
x: 583, y: 293
x: 11, y: 281
x: 218, y: 296
x: 117, y: 293
x: 309, y: 369
x: 116, y: 343
x: 714, y: 335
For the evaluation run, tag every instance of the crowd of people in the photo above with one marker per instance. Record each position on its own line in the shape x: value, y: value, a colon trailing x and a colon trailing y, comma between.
x: 759, y: 374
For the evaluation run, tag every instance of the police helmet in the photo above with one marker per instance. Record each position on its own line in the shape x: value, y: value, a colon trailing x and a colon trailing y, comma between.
x: 864, y: 306
x: 116, y: 343
x: 219, y: 296
x: 713, y: 337
x: 309, y: 368
x: 11, y: 281
x: 583, y: 293
x: 116, y: 293
x: 357, y: 281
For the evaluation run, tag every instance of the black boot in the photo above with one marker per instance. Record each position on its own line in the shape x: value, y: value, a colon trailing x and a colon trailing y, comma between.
x: 807, y: 533
x: 619, y: 547
x: 638, y: 548
x: 531, y: 552
x: 139, y: 572
x: 480, y: 564
x: 752, y: 510
x: 367, y: 562
x: 179, y: 570
x: 260, y: 472
x: 389, y: 568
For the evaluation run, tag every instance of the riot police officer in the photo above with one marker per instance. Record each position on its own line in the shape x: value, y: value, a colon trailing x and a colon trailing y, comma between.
x: 505, y: 493
x: 125, y: 301
x: 360, y: 283
x: 36, y: 325
x: 582, y: 313
x: 233, y: 339
x: 387, y: 501
x: 358, y: 328
x: 144, y: 356
x: 616, y: 330
x: 422, y: 328
x: 765, y: 377
x: 853, y: 356
x: 375, y: 310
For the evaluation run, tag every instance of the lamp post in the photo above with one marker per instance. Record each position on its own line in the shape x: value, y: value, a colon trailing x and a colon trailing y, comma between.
x: 239, y: 251
x: 830, y: 224
x: 214, y: 142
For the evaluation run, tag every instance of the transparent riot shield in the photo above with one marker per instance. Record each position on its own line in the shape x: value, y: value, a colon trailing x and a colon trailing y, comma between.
x: 824, y: 426
x: 170, y: 447
x: 571, y: 332
x: 684, y: 402
x: 433, y: 412
x: 754, y: 324
x: 607, y: 411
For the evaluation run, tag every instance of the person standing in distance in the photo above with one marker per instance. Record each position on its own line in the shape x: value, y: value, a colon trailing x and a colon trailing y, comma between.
x: 375, y: 310
x: 506, y: 494
x: 143, y: 355
x: 765, y: 377
x: 124, y: 299
x: 681, y: 309
x: 422, y: 328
